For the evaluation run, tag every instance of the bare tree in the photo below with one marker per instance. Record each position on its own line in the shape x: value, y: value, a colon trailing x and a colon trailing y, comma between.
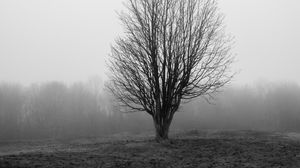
x: 173, y: 50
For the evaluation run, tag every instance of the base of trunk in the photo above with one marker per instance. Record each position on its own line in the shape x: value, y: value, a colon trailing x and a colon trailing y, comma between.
x: 162, y: 133
x: 160, y: 138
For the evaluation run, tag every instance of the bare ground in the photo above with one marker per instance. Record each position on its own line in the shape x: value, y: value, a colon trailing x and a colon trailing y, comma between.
x: 189, y: 149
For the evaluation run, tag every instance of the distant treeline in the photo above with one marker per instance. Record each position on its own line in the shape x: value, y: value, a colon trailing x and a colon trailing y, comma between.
x: 273, y: 107
x: 55, y: 110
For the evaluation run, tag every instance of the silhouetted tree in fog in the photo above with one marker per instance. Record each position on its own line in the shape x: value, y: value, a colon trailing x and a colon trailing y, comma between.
x: 173, y: 50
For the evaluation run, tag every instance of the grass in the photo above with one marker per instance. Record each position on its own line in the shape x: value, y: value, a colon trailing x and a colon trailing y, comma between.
x: 187, y: 150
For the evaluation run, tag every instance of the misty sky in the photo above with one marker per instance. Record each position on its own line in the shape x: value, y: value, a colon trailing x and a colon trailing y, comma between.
x: 69, y: 40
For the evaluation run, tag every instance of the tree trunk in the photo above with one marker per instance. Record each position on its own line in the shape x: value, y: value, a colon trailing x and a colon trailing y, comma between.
x: 162, y: 130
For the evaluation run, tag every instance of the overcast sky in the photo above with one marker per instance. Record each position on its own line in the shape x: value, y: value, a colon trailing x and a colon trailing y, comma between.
x: 69, y: 40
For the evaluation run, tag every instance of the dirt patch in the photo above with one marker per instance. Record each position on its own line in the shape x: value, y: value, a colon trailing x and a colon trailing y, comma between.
x: 192, y: 149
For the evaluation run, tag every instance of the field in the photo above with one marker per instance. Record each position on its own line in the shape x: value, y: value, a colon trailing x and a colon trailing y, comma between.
x: 187, y: 149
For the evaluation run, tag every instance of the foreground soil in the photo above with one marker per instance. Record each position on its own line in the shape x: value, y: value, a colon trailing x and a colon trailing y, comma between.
x: 186, y: 150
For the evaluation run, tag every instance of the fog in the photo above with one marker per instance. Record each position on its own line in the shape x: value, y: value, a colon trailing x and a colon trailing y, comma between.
x: 53, y: 70
x: 54, y: 110
x: 69, y: 40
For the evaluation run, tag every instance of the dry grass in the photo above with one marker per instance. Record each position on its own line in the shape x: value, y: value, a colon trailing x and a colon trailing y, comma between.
x: 187, y: 149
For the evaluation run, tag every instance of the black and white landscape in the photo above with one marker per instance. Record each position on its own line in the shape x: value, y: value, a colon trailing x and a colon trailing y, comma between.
x: 149, y: 83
